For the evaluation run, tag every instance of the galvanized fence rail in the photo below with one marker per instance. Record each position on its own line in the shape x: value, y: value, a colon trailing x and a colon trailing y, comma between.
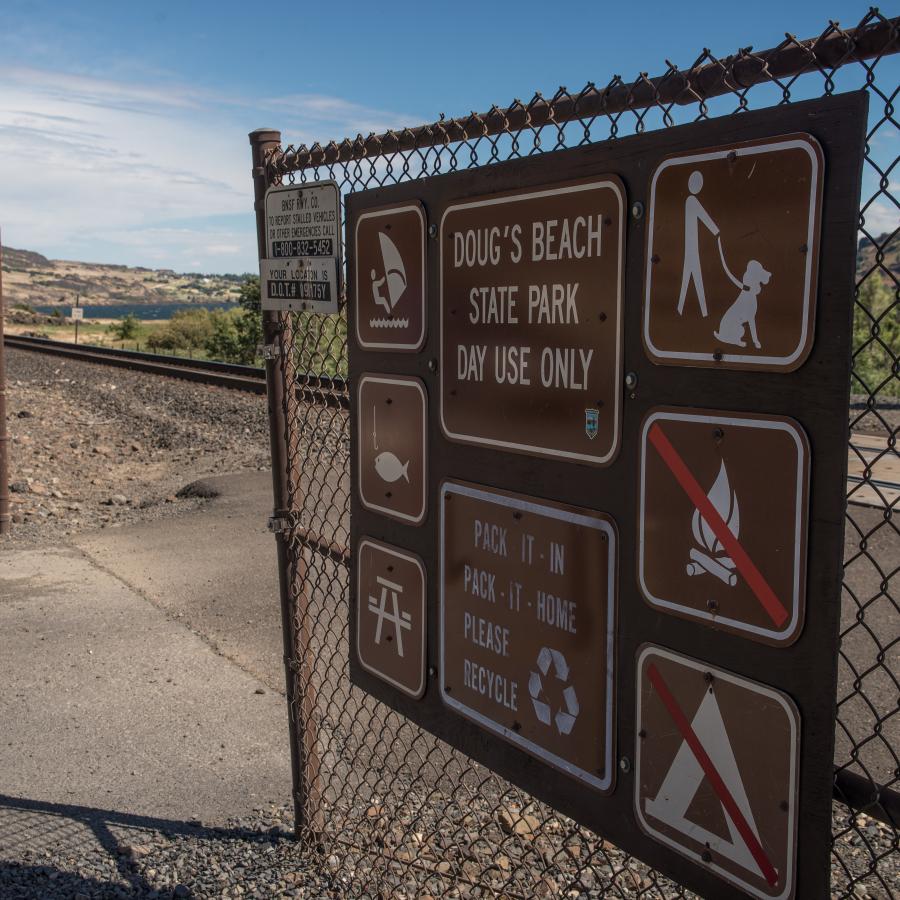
x: 384, y: 807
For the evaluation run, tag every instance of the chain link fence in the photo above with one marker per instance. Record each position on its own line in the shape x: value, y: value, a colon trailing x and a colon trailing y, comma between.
x: 384, y: 808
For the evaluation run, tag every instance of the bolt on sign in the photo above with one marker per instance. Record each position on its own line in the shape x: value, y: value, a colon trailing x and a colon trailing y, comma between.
x: 729, y: 478
x: 527, y: 616
x: 732, y: 255
x: 722, y: 520
x: 390, y: 622
x: 717, y: 770
x: 390, y: 278
x: 303, y: 248
x: 392, y: 456
x: 531, y: 309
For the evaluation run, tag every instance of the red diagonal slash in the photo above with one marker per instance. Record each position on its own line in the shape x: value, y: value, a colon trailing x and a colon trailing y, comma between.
x: 697, y: 496
x: 722, y: 792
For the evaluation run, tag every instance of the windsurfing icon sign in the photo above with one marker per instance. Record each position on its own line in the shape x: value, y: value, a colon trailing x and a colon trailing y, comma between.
x: 389, y: 258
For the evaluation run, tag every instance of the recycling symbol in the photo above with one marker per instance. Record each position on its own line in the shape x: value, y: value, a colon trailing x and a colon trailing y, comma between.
x: 565, y: 718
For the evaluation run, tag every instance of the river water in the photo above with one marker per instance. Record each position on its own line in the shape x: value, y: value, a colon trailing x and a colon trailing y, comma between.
x: 139, y: 310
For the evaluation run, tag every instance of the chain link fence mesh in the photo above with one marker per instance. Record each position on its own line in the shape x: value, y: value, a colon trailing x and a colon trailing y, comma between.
x: 387, y: 810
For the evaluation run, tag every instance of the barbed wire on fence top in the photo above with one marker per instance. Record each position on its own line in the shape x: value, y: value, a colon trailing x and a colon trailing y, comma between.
x: 391, y: 811
x: 875, y: 36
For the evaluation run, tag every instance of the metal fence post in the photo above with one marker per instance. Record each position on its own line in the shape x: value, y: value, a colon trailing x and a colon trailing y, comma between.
x: 262, y: 141
x: 5, y: 517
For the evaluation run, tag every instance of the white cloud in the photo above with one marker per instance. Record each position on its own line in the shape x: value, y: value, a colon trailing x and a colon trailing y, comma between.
x: 882, y: 218
x: 110, y: 171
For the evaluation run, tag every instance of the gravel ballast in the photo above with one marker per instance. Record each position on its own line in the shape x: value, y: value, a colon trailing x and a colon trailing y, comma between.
x: 93, y: 446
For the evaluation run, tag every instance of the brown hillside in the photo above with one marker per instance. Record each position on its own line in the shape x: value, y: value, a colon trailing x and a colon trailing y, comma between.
x: 32, y: 279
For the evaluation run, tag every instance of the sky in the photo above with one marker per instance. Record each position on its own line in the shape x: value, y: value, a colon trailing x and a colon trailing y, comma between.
x: 123, y: 126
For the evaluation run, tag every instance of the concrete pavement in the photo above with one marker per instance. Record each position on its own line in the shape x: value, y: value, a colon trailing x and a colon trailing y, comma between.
x: 214, y: 568
x: 135, y: 691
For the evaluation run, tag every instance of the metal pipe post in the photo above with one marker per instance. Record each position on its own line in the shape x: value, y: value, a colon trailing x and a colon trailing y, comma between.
x: 262, y: 141
x: 5, y: 517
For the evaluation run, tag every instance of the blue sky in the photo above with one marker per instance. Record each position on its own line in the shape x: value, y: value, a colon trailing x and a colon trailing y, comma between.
x: 123, y: 125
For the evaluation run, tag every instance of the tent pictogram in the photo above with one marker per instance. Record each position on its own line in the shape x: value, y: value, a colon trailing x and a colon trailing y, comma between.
x: 716, y: 770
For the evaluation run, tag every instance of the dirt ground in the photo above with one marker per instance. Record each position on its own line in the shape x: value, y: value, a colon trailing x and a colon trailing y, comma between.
x: 92, y: 446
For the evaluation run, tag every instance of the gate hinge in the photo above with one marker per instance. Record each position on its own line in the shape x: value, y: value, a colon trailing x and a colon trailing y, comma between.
x: 268, y: 351
x: 278, y: 524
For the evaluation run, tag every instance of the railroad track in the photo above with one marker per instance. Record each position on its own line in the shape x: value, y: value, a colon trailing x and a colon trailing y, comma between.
x: 228, y: 375
x: 873, y: 466
x: 873, y: 470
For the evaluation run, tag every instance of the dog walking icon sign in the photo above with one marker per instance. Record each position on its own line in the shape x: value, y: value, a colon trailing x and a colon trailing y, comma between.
x: 732, y: 253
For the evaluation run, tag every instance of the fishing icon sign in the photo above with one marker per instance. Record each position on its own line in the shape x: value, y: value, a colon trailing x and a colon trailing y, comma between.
x: 391, y: 454
x: 389, y: 282
x: 722, y: 520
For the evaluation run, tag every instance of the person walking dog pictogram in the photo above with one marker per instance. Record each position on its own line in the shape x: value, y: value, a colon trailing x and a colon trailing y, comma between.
x: 694, y: 215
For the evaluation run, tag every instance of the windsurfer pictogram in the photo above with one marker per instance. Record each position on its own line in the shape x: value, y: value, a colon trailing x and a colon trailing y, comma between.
x: 394, y: 280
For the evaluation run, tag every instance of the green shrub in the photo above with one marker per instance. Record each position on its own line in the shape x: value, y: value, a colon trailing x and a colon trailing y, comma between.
x: 876, y: 338
x: 125, y: 329
x: 187, y: 330
x: 237, y: 333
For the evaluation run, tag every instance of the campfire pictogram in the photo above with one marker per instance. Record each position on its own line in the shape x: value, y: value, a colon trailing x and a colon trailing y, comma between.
x: 705, y: 560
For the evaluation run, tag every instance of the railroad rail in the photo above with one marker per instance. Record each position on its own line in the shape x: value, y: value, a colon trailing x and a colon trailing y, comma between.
x: 321, y: 390
x: 228, y: 375
x: 874, y: 462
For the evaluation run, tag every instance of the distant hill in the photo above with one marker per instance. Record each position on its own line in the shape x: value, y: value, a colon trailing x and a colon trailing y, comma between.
x: 32, y: 279
x: 865, y: 256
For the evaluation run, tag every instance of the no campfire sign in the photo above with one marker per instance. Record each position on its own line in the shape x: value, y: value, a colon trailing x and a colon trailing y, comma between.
x: 722, y: 520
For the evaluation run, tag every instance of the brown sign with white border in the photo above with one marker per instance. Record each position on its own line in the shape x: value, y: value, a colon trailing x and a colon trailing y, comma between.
x: 732, y: 255
x: 527, y: 616
x: 717, y: 770
x: 392, y: 456
x: 390, y: 278
x: 722, y: 520
x: 531, y: 320
x: 390, y: 615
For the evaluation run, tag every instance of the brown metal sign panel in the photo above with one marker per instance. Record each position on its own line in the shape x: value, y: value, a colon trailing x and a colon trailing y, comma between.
x: 531, y: 320
x: 390, y: 615
x: 527, y: 617
x: 392, y: 414
x: 717, y: 770
x: 390, y: 278
x: 723, y: 519
x: 733, y: 254
x: 727, y: 520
